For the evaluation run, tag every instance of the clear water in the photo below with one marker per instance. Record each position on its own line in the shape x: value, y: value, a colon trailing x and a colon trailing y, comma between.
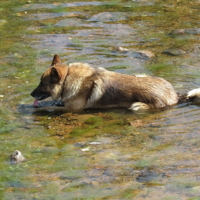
x: 111, y: 154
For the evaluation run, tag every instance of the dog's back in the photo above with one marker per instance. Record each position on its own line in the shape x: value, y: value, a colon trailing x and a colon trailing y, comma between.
x: 112, y: 89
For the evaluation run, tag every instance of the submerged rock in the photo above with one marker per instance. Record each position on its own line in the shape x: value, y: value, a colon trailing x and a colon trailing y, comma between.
x: 17, y: 157
x: 150, y: 174
x: 193, y: 31
x: 108, y: 17
x: 177, y: 32
x: 189, y: 31
x: 174, y: 52
x: 146, y: 54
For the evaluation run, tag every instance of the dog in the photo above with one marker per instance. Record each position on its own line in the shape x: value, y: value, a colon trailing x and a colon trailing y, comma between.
x: 81, y: 86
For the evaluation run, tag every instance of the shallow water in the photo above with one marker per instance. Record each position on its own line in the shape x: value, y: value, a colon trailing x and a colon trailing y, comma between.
x: 109, y: 154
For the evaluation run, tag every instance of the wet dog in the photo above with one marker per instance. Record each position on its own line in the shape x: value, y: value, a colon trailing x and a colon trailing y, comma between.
x: 81, y: 86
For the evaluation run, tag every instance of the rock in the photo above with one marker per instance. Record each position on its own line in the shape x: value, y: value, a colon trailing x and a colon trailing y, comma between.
x: 85, y: 149
x: 147, y: 176
x: 17, y: 157
x: 145, y: 54
x: 174, y: 52
x: 122, y: 49
x: 177, y: 32
x: 49, y: 127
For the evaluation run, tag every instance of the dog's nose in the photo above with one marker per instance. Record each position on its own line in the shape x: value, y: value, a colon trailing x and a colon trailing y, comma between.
x: 32, y: 94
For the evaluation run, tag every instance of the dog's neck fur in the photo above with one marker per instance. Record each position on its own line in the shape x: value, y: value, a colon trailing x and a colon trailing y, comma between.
x: 63, y: 80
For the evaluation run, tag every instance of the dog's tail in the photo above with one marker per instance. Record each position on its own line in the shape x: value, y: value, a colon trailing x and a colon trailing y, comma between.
x: 191, y: 96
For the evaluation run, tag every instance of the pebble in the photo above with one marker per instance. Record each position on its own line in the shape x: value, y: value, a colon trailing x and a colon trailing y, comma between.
x: 146, y: 53
x: 95, y: 143
x: 17, y: 157
x: 85, y: 149
x: 155, y: 125
x: 177, y: 32
x: 122, y: 49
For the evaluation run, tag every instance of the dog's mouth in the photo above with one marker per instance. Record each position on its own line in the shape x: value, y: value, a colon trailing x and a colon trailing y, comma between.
x: 39, y: 98
x: 36, y: 101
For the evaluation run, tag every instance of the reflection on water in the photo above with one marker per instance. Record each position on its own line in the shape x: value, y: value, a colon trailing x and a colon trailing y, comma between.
x: 99, y: 154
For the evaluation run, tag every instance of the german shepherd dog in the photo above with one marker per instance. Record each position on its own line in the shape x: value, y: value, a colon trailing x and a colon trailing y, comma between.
x: 81, y: 86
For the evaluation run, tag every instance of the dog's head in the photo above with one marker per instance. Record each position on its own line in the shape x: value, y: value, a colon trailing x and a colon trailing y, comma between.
x: 51, y: 82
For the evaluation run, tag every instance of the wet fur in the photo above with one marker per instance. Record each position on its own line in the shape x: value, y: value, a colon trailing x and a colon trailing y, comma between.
x: 81, y: 86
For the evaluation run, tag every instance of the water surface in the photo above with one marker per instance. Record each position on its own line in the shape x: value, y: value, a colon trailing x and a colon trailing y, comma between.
x: 109, y: 154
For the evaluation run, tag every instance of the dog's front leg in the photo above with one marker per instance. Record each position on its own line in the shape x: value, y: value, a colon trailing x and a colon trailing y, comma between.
x: 75, y: 105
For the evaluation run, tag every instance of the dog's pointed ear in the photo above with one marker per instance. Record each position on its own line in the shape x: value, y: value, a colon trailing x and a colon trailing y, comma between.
x: 56, y: 59
x: 56, y: 75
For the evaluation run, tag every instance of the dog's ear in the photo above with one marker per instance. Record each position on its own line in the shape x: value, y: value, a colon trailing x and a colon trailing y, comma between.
x: 56, y: 75
x: 56, y: 59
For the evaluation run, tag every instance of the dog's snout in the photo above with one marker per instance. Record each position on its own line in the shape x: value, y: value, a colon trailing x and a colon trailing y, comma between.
x: 34, y: 93
x: 39, y: 94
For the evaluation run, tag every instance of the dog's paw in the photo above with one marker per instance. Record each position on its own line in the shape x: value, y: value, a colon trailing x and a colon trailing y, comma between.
x: 139, y: 106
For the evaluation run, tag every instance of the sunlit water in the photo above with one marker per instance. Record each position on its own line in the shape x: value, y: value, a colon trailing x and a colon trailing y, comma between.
x: 114, y: 154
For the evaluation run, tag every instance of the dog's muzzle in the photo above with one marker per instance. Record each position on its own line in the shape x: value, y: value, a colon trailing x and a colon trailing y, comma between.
x: 40, y: 95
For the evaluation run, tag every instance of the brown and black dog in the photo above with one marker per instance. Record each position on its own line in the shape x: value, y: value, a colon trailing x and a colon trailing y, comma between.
x: 81, y: 86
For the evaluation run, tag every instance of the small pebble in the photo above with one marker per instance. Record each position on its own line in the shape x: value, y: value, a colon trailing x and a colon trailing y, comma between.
x: 122, y: 49
x: 17, y: 157
x: 95, y: 143
x: 85, y: 149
